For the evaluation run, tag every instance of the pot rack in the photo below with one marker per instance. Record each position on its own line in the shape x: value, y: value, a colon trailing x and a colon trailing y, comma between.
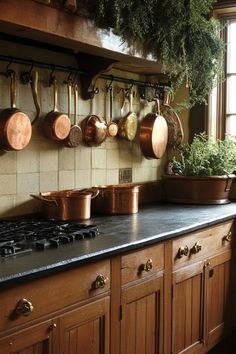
x: 88, y: 76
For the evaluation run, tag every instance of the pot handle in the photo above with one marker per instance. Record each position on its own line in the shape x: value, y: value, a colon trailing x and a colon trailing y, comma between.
x: 13, y: 88
x: 44, y: 200
x: 34, y: 88
x: 228, y: 184
x: 94, y: 191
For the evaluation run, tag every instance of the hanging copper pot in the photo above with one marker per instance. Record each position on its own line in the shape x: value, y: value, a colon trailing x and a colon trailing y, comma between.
x: 15, y: 125
x: 153, y: 135
x: 74, y: 138
x: 175, y: 129
x: 56, y: 125
x: 127, y: 125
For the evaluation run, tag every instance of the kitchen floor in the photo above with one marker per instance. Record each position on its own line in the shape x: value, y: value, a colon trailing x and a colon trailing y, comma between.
x: 227, y: 346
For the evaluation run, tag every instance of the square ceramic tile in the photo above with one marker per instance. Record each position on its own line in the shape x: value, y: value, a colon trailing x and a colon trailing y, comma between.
x: 83, y: 158
x: 82, y: 178
x: 98, y: 158
x: 48, y: 160
x: 66, y: 159
x: 7, y: 184
x: 28, y: 159
x: 125, y: 158
x: 27, y: 183
x: 113, y: 159
x: 7, y: 204
x: 112, y: 176
x: 98, y: 177
x: 48, y: 181
x: 66, y: 180
x: 8, y: 161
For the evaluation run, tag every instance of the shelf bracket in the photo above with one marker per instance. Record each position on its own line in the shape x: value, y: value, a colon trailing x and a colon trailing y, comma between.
x: 93, y: 66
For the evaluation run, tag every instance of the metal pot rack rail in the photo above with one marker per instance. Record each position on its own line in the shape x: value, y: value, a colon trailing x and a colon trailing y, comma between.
x: 90, y: 90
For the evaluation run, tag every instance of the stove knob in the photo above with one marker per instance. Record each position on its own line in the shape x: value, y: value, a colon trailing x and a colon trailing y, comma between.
x: 24, y: 307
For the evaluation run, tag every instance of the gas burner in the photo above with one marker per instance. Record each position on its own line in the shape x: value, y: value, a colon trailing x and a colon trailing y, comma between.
x: 24, y: 236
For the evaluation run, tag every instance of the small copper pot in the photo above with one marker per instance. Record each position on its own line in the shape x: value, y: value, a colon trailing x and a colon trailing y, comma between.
x: 72, y: 204
x: 116, y: 199
x: 15, y: 125
x: 56, y: 125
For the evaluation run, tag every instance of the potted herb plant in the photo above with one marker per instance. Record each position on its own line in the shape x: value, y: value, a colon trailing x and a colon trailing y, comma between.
x: 201, y: 172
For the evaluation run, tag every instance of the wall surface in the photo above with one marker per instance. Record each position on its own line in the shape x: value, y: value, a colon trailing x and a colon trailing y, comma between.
x: 46, y: 165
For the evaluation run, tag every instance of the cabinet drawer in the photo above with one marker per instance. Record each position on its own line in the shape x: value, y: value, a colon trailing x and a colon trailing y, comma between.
x: 140, y: 264
x: 53, y: 293
x: 202, y: 244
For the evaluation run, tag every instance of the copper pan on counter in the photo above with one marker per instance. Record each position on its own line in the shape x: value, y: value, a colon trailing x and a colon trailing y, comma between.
x: 73, y: 204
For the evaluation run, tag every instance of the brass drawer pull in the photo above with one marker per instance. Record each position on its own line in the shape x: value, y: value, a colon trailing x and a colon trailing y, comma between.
x: 24, y: 307
x: 182, y: 251
x: 146, y: 266
x: 196, y: 248
x: 100, y: 282
x: 228, y: 237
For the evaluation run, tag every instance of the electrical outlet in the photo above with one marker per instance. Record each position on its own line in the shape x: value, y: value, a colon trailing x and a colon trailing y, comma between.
x: 125, y: 175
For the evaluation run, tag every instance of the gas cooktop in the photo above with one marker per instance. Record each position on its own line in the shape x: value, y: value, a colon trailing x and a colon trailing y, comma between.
x: 24, y: 236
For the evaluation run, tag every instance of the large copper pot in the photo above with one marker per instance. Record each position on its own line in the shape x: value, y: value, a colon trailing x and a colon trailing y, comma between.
x: 116, y: 199
x: 72, y: 204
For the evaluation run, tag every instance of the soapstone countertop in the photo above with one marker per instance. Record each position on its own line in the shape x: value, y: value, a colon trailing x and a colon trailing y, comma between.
x: 117, y: 233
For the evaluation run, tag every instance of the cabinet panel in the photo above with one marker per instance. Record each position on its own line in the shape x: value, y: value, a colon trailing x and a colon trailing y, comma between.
x: 35, y: 340
x: 188, y: 305
x: 86, y: 329
x: 142, y: 318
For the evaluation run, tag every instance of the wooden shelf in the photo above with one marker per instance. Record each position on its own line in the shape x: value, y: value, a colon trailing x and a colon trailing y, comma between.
x: 36, y: 21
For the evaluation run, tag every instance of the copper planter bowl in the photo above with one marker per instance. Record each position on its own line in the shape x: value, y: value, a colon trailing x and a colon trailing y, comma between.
x: 116, y: 199
x: 197, y: 190
x: 68, y: 204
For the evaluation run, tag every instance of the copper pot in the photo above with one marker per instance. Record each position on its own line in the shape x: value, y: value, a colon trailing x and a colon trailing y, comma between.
x: 15, y: 126
x: 153, y: 135
x: 116, y: 199
x: 72, y: 204
x: 56, y: 125
x: 95, y: 130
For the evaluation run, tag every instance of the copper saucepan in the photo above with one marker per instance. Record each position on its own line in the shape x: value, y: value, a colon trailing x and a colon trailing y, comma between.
x: 56, y: 125
x: 175, y: 129
x: 74, y: 138
x: 153, y: 135
x: 127, y: 125
x: 74, y: 204
x: 15, y: 125
x: 94, y: 129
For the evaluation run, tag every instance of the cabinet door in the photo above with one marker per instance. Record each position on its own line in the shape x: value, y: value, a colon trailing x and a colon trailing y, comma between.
x: 142, y: 318
x: 37, y: 339
x: 219, y: 300
x: 86, y: 329
x: 187, y: 309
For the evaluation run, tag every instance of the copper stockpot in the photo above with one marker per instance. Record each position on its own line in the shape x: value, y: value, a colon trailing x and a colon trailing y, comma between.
x: 56, y: 125
x: 116, y: 199
x: 15, y: 125
x: 71, y: 204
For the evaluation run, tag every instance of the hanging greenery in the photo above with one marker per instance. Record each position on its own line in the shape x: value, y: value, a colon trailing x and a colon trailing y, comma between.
x: 180, y: 34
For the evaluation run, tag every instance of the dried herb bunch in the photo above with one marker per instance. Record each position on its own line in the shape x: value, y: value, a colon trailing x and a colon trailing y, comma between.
x: 179, y: 33
x: 206, y: 157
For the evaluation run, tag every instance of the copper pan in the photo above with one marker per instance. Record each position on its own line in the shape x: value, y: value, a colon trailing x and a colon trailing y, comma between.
x: 15, y: 125
x: 94, y: 129
x: 127, y: 125
x: 56, y: 125
x: 175, y: 130
x: 153, y: 135
x: 74, y: 204
x: 74, y: 138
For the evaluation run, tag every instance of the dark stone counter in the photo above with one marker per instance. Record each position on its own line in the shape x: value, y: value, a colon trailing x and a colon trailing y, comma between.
x: 121, y: 233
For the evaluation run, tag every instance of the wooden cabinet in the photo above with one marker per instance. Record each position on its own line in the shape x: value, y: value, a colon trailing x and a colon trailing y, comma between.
x: 142, y: 301
x: 201, y: 293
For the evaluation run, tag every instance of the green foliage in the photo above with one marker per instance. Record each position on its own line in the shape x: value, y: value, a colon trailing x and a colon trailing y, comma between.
x: 179, y: 33
x: 206, y: 157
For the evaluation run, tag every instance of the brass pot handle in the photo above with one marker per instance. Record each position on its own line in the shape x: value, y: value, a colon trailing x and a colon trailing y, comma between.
x: 196, y: 248
x: 182, y: 251
x: 100, y: 282
x: 24, y: 307
x: 228, y: 237
x: 146, y: 266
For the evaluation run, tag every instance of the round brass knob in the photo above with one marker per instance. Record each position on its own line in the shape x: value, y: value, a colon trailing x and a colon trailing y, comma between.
x: 147, y: 266
x: 24, y: 307
x: 182, y: 251
x: 100, y: 282
x: 228, y: 237
x: 196, y: 248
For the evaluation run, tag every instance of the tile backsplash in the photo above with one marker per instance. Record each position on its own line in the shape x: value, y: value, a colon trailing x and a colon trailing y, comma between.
x: 46, y: 165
